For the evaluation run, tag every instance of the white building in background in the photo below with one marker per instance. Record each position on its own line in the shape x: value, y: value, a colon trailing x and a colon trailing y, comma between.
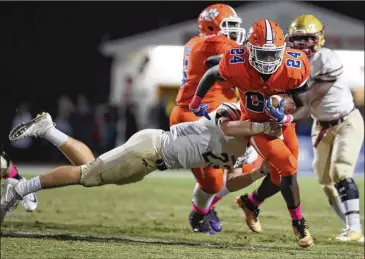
x: 148, y: 65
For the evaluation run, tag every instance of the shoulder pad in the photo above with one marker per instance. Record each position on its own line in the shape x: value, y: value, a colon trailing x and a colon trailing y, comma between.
x: 326, y: 65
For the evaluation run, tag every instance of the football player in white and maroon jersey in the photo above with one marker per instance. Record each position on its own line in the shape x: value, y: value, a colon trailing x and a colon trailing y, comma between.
x: 338, y: 127
x: 216, y: 142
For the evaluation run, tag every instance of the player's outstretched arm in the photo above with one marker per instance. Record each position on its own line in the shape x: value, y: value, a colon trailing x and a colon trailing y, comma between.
x: 240, y: 129
x: 210, y: 77
x: 318, y: 90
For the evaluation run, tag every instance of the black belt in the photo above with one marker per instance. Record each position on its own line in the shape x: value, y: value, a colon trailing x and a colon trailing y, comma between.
x: 327, y: 124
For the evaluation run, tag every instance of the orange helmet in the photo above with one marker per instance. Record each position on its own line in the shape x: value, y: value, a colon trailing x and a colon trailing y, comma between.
x: 221, y: 19
x: 266, y: 43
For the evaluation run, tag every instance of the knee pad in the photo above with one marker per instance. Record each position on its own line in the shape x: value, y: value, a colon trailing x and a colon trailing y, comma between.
x: 347, y: 189
x: 211, y: 180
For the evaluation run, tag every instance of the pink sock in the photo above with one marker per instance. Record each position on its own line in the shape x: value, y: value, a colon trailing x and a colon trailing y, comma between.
x: 253, y: 201
x: 200, y: 211
x: 13, y: 171
x: 215, y: 201
x: 296, y: 214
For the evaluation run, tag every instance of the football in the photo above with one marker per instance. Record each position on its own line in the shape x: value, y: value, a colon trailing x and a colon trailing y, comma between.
x: 289, y: 105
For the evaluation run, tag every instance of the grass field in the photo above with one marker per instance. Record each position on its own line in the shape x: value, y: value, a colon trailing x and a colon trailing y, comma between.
x: 149, y: 220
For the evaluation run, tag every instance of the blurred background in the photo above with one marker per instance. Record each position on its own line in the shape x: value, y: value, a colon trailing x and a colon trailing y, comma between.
x: 105, y: 70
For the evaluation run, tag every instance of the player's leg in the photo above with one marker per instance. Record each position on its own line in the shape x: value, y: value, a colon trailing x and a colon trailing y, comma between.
x: 210, y: 181
x: 284, y: 161
x: 349, y: 137
x: 233, y: 180
x: 203, y: 217
x: 43, y: 127
x: 126, y: 164
x: 235, y: 177
x: 8, y: 170
x: 321, y: 165
x: 237, y: 180
x: 249, y: 157
x: 290, y: 189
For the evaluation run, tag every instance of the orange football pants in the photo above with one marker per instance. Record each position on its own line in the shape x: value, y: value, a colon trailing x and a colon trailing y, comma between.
x: 282, y: 155
x: 209, y: 179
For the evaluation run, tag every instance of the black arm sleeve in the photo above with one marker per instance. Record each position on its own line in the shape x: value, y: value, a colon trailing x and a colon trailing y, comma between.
x: 299, y: 90
x: 209, y: 78
x: 302, y: 102
x: 213, y: 61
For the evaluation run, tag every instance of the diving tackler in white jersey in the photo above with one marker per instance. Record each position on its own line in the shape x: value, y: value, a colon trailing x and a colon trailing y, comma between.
x: 217, y: 143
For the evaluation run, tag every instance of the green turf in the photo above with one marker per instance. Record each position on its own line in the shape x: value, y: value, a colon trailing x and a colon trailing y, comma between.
x: 149, y: 220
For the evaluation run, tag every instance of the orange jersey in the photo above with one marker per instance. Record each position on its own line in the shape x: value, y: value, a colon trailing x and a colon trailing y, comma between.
x: 253, y: 90
x: 196, y: 53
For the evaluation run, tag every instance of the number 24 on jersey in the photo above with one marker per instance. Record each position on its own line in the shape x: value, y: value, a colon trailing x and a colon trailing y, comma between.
x: 293, y: 62
x: 236, y: 56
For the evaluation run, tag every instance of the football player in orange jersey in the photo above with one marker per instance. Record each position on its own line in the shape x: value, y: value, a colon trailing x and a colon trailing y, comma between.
x: 220, y: 29
x: 260, y: 69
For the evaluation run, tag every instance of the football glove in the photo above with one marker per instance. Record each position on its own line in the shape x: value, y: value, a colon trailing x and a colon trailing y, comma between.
x: 277, y: 113
x: 202, y: 110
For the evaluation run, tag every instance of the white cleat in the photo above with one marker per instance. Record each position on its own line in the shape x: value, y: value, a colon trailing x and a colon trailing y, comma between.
x: 30, y: 201
x: 9, y: 197
x: 349, y: 235
x: 33, y: 128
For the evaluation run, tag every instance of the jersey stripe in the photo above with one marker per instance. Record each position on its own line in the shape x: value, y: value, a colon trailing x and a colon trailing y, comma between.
x: 269, y: 33
x: 335, y: 72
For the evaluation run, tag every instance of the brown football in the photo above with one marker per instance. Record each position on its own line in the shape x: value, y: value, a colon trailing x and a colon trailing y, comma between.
x: 289, y: 105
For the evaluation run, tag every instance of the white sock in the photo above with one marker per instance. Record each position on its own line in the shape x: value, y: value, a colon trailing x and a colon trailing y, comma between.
x: 23, y: 188
x: 352, y: 214
x: 56, y: 137
x: 223, y: 192
x: 201, y: 200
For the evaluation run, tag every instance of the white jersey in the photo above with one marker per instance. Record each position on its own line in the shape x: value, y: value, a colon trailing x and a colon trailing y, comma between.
x: 201, y: 143
x: 327, y: 66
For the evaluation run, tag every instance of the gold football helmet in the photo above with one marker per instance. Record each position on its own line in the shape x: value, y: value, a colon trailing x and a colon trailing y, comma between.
x: 306, y: 33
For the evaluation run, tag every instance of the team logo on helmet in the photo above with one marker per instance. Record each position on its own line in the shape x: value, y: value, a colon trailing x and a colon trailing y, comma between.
x: 210, y: 15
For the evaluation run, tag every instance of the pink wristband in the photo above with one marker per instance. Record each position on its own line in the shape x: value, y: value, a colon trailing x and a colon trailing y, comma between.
x: 195, y: 102
x: 289, y: 119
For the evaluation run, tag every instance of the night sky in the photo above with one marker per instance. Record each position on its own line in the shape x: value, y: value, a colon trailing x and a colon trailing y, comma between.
x: 50, y: 48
